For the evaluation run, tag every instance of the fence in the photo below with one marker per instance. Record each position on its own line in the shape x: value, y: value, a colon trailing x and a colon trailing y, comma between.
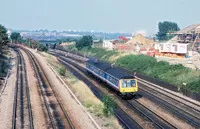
x: 190, y: 94
x: 158, y: 82
x: 193, y: 95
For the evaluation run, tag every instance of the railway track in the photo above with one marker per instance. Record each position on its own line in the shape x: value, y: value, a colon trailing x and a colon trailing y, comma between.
x: 178, y: 107
x: 181, y: 99
x: 22, y: 113
x: 181, y: 111
x: 58, y: 117
x: 147, y: 115
x: 169, y: 95
x: 125, y: 119
x: 178, y: 101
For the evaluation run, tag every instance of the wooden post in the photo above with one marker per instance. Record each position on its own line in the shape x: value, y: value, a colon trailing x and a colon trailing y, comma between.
x: 197, y: 37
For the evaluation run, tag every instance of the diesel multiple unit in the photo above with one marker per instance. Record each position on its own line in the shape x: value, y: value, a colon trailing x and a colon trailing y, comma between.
x: 122, y: 82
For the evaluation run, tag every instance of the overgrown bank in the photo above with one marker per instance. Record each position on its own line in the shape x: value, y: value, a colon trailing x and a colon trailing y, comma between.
x: 4, y: 53
x: 5, y: 57
x: 4, y: 63
x: 173, y: 74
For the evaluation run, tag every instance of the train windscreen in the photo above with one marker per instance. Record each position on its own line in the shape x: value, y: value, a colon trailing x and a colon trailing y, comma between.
x: 128, y: 83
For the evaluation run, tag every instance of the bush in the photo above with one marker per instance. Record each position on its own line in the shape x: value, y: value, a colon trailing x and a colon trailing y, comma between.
x: 173, y: 74
x: 62, y: 71
x: 194, y: 85
x: 85, y: 41
x: 42, y: 47
x: 99, y: 53
x: 109, y: 105
x: 4, y: 68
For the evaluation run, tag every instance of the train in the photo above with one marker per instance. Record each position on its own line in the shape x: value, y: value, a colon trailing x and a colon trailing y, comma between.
x: 122, y: 82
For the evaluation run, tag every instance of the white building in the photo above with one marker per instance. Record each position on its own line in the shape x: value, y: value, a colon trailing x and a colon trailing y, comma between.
x: 107, y: 44
x: 179, y: 48
x: 9, y: 32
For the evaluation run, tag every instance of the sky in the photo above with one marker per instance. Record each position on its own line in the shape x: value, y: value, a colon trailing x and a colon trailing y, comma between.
x: 134, y: 16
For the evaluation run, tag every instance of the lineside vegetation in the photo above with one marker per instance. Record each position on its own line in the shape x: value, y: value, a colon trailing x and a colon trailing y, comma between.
x: 172, y: 74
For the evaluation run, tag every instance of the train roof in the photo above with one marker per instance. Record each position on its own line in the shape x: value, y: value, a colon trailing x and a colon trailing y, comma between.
x: 114, y: 71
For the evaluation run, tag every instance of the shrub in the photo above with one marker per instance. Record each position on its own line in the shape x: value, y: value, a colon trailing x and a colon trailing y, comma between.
x: 4, y: 68
x: 194, y: 85
x: 85, y: 41
x: 62, y: 71
x: 109, y: 105
x: 42, y: 47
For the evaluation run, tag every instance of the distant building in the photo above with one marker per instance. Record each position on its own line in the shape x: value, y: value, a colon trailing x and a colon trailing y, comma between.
x: 107, y: 44
x: 190, y: 35
x: 9, y: 32
x: 186, y: 39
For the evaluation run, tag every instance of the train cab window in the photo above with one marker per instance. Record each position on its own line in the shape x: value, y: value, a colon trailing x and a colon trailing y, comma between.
x: 128, y: 83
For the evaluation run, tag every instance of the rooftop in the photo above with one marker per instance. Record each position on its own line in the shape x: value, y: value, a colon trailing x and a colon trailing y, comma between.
x: 189, y: 29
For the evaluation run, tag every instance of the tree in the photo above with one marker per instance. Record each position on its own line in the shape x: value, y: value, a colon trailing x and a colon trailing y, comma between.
x: 100, y: 40
x: 42, y: 47
x: 47, y: 45
x: 54, y: 46
x: 3, y: 36
x: 34, y: 44
x: 86, y: 41
x: 165, y: 29
x: 16, y: 37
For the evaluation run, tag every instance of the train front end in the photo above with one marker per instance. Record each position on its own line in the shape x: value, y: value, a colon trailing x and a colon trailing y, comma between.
x: 128, y: 87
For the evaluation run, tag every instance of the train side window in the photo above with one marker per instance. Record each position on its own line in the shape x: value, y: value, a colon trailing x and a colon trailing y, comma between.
x: 111, y: 79
x: 101, y: 73
x: 108, y: 77
x: 115, y: 81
